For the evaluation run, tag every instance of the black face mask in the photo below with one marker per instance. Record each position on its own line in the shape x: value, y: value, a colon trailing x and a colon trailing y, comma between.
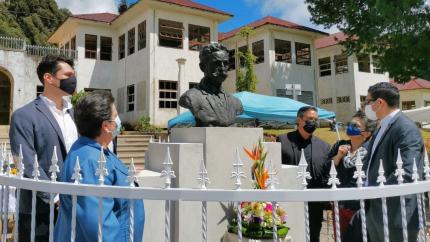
x: 310, y: 126
x: 68, y: 85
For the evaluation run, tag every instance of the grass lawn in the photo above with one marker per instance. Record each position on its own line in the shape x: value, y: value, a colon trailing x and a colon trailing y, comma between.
x: 330, y: 136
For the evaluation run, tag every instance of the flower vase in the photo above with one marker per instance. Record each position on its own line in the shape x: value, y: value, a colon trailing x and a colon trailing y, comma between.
x: 231, y: 237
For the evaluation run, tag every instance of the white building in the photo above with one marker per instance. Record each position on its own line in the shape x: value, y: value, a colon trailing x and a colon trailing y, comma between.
x: 343, y: 80
x: 414, y: 94
x: 142, y: 54
x: 285, y: 55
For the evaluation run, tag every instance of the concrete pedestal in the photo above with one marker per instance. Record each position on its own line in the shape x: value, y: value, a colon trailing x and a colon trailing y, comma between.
x: 217, y: 146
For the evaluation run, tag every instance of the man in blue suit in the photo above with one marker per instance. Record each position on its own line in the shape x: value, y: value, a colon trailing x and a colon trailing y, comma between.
x: 395, y: 132
x: 38, y: 127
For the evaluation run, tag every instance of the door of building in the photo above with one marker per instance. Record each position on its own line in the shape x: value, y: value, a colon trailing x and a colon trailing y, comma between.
x: 5, y: 99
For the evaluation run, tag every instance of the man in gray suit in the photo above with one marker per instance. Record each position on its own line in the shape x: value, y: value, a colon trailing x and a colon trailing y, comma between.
x: 38, y: 127
x: 396, y: 131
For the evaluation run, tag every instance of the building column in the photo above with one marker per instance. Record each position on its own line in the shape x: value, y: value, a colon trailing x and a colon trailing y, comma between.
x: 181, y: 87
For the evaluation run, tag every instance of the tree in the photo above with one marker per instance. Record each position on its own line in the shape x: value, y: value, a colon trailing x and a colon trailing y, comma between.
x: 246, y: 78
x: 123, y: 6
x: 397, y: 31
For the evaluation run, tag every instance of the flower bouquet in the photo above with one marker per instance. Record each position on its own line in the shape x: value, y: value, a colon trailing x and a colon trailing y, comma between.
x: 257, y: 217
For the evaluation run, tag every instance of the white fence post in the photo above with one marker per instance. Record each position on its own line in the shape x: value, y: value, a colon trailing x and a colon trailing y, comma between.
x: 415, y: 178
x: 77, y: 177
x: 334, y: 181
x: 101, y: 172
x: 203, y: 180
x: 273, y: 181
x: 381, y: 180
x: 20, y: 175
x: 54, y: 169
x: 303, y: 174
x: 35, y: 174
x: 360, y: 175
x: 399, y: 173
x: 8, y: 162
x: 238, y: 174
x: 131, y: 179
x: 168, y: 174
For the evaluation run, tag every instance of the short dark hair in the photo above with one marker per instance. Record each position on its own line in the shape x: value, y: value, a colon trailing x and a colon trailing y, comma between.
x: 49, y: 64
x: 91, y: 111
x: 386, y: 91
x: 369, y: 125
x: 304, y: 109
x: 206, y: 52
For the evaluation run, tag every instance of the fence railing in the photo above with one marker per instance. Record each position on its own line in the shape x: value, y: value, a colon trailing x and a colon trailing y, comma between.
x: 167, y: 194
x: 17, y: 44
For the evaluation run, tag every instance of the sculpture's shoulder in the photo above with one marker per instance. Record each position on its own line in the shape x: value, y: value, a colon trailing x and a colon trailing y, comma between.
x: 234, y: 102
x: 191, y: 98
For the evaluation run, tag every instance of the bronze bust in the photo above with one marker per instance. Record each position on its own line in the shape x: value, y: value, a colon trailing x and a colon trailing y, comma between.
x: 209, y: 104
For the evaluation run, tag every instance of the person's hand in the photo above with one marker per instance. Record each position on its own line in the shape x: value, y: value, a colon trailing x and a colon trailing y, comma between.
x: 341, y: 152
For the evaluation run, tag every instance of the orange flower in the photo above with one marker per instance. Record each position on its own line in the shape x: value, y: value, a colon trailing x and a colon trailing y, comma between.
x: 258, y: 156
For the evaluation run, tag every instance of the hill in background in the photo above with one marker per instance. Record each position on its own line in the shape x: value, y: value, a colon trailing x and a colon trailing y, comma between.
x: 33, y: 20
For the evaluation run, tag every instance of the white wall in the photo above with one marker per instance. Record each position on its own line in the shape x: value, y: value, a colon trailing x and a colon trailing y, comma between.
x: 22, y: 70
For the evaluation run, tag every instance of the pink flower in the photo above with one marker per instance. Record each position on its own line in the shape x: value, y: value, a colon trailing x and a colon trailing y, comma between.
x: 268, y: 207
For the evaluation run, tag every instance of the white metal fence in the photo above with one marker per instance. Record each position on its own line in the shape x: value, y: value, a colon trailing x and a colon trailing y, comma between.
x: 204, y: 195
x: 17, y: 44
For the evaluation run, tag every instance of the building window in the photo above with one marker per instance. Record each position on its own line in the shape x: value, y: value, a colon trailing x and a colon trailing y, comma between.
x: 39, y: 90
x: 258, y: 51
x: 170, y: 33
x: 406, y: 105
x: 363, y: 98
x: 105, y: 48
x: 426, y: 103
x: 67, y: 46
x: 131, y: 42
x: 192, y: 85
x: 341, y: 63
x: 376, y: 66
x: 242, y: 50
x: 344, y: 99
x: 73, y: 43
x: 121, y: 47
x: 303, y: 54
x: 363, y: 63
x: 282, y: 50
x: 198, y: 36
x: 326, y: 101
x: 168, y: 94
x: 141, y: 33
x: 91, y: 46
x: 231, y: 59
x: 325, y: 66
x: 130, y: 98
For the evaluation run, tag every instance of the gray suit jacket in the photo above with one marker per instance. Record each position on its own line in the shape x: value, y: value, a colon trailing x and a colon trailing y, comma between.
x: 401, y: 133
x: 35, y: 128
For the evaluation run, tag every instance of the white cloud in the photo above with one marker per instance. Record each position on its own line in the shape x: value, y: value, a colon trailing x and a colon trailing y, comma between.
x: 89, y: 6
x: 291, y: 10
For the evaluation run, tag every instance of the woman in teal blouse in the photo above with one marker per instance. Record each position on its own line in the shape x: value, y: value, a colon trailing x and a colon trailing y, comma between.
x: 98, y: 123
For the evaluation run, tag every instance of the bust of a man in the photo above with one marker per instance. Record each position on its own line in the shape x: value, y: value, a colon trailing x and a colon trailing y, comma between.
x: 210, y: 105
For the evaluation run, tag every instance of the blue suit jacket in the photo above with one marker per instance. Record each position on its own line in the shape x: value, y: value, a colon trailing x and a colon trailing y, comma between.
x: 35, y: 128
x: 116, y: 211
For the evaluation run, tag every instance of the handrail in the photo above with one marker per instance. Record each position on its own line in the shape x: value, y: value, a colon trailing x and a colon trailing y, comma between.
x: 190, y: 194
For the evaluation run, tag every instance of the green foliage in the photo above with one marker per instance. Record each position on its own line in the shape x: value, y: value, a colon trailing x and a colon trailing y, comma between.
x: 144, y: 125
x: 397, y: 30
x: 246, y: 78
x: 33, y: 20
x: 78, y: 96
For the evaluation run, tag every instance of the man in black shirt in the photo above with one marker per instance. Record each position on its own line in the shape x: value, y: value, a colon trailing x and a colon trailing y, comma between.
x: 316, y: 153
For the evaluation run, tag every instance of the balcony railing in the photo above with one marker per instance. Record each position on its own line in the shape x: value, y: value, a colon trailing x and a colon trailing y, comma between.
x: 417, y: 187
x: 17, y: 44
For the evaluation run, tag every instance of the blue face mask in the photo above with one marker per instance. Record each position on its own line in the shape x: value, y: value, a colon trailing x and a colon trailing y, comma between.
x: 117, y: 131
x: 353, y: 130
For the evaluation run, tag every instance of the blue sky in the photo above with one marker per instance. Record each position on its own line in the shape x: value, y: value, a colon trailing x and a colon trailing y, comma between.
x: 244, y: 11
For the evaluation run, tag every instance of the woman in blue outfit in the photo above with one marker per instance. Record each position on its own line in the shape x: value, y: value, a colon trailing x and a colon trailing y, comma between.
x: 98, y: 123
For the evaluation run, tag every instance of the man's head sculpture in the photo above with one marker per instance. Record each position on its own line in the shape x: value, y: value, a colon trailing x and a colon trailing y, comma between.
x: 214, y: 62
x: 208, y: 103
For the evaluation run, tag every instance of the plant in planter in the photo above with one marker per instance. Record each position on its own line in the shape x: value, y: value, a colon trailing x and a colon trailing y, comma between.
x: 257, y: 217
x: 144, y: 125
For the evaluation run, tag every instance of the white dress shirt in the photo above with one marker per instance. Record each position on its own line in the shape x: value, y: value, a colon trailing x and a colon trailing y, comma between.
x: 64, y: 120
x: 382, y: 128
